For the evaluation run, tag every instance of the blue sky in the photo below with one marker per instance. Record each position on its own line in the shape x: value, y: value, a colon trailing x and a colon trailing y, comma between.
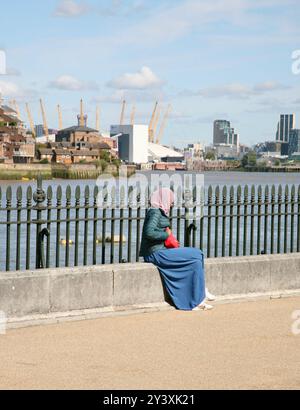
x: 222, y: 59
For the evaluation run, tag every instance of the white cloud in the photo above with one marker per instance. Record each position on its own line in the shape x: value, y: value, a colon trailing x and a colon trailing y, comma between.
x: 69, y: 83
x: 13, y: 72
x: 144, y: 79
x: 131, y: 96
x: 9, y: 89
x: 167, y: 23
x: 179, y: 116
x: 122, y: 8
x: 71, y: 8
x: 269, y: 86
x: 110, y: 8
x: 234, y: 90
x: 229, y: 90
x: 116, y: 97
x: 12, y: 90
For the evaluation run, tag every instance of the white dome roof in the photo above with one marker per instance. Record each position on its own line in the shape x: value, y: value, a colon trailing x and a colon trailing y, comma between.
x: 159, y: 151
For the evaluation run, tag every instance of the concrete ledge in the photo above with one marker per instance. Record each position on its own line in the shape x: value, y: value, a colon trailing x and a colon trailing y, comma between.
x: 80, y: 288
x: 137, y: 283
x: 55, y: 290
x: 52, y: 293
x: 252, y: 274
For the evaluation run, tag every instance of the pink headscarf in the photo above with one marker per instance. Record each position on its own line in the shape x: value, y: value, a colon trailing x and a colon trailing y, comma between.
x: 163, y: 199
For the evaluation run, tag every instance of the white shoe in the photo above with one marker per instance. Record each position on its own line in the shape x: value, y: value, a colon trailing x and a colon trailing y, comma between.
x: 205, y: 306
x: 209, y: 296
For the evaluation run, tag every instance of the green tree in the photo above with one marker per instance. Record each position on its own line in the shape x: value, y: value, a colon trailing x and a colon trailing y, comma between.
x: 263, y: 164
x: 249, y: 160
x: 210, y: 156
x: 244, y: 161
x: 116, y: 162
x: 105, y: 155
x: 103, y: 164
x: 252, y: 159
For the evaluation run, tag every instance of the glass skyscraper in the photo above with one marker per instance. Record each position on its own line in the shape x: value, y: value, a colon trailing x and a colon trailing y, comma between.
x: 224, y: 133
x: 294, y: 142
x: 285, y: 125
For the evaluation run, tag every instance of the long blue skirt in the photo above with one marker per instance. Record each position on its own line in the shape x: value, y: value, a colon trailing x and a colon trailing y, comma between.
x: 182, y: 270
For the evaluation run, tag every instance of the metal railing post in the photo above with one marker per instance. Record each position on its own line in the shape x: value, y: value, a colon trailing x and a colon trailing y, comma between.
x: 39, y: 197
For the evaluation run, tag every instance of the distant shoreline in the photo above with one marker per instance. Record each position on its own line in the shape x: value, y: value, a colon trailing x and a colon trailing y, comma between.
x: 30, y: 172
x: 23, y: 177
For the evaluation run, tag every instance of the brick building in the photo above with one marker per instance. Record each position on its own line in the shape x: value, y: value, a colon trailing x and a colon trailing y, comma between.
x: 85, y: 155
x: 45, y: 154
x: 62, y: 156
x: 78, y: 134
x: 15, y: 145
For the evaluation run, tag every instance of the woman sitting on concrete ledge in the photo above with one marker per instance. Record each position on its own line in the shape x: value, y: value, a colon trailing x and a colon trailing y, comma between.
x: 182, y: 269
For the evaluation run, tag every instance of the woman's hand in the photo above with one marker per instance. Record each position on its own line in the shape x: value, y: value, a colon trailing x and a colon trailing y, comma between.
x: 169, y: 232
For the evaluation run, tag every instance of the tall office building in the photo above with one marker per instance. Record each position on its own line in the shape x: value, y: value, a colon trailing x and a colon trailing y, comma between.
x: 39, y: 130
x: 221, y: 131
x: 294, y: 142
x: 224, y: 134
x: 132, y: 142
x: 285, y: 125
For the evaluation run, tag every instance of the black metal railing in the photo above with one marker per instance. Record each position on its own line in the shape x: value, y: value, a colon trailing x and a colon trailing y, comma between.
x: 57, y: 229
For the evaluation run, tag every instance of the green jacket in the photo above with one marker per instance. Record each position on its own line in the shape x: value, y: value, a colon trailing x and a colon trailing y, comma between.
x: 154, y: 232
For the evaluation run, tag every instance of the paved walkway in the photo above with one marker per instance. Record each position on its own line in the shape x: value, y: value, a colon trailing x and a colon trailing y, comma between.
x: 244, y: 345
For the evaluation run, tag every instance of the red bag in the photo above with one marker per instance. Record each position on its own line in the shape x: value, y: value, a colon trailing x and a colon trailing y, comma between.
x: 171, y: 242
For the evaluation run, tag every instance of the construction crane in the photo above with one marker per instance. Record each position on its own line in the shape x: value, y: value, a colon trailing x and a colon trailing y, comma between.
x: 133, y: 115
x: 163, y: 124
x: 60, y: 122
x: 46, y: 130
x: 123, y: 113
x: 17, y: 109
x: 155, y: 123
x: 97, y: 119
x: 30, y: 120
x: 14, y: 104
x: 81, y: 118
x: 151, y: 139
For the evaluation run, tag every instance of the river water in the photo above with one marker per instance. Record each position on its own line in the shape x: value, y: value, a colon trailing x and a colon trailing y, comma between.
x: 210, y: 178
x: 102, y: 253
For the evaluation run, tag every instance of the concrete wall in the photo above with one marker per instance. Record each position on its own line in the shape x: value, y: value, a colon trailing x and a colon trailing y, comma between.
x: 75, y: 289
x: 25, y: 167
x: 49, y: 167
x: 254, y: 274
